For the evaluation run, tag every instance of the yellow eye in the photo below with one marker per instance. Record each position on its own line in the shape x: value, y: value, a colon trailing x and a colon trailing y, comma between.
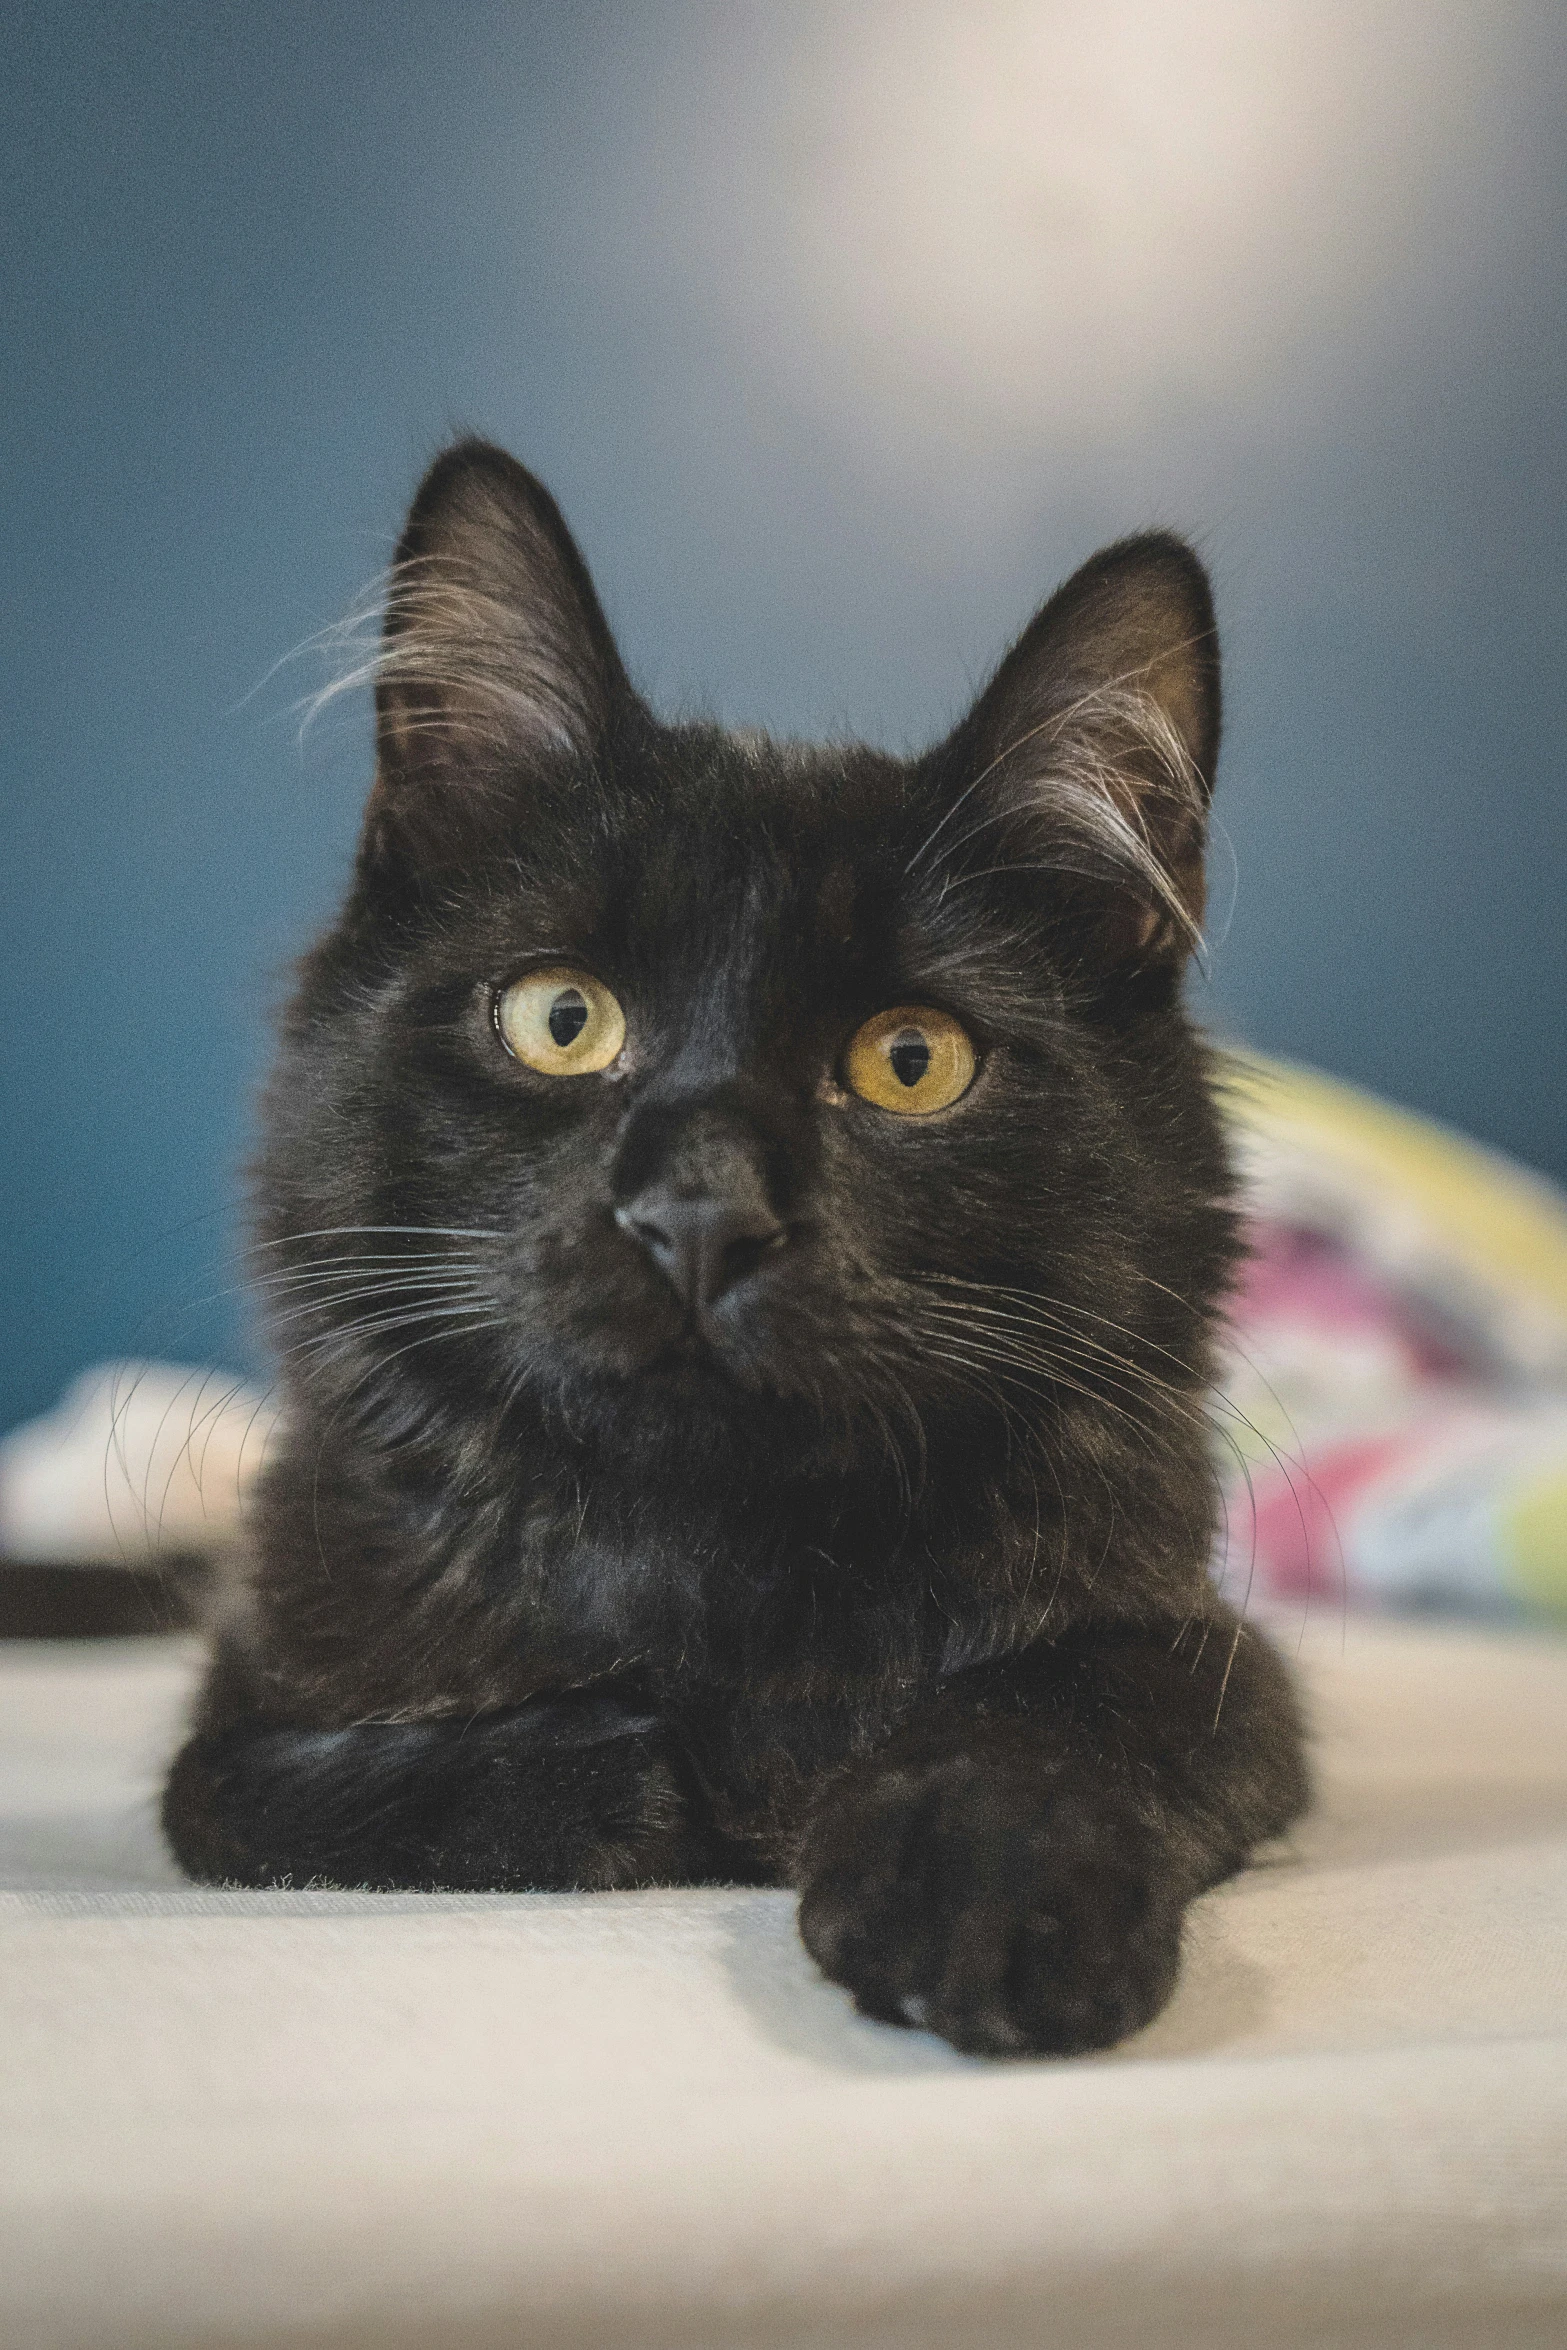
x: 911, y: 1060
x: 560, y: 1021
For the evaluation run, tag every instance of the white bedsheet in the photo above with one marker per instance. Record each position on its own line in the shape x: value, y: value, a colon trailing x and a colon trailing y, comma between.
x: 643, y: 2119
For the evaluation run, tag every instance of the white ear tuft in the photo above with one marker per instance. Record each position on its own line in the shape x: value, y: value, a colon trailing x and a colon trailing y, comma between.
x: 493, y: 647
x: 1091, y: 753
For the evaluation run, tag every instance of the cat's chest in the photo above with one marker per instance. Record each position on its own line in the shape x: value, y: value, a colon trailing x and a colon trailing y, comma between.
x: 786, y: 1613
x: 723, y: 1597
x: 807, y: 1594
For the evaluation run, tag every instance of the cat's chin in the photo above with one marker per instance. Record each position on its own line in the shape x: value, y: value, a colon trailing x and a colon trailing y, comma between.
x: 689, y: 1408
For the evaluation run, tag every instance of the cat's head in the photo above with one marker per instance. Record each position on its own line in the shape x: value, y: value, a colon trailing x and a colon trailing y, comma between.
x: 672, y: 1077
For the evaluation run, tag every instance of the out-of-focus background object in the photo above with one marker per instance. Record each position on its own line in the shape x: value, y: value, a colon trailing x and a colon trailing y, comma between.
x: 1393, y: 1427
x: 117, y: 1506
x: 137, y: 1460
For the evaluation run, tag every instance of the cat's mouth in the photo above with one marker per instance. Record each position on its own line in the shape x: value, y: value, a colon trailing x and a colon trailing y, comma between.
x: 695, y: 1355
x: 688, y: 1349
x: 705, y: 1356
x: 766, y: 1331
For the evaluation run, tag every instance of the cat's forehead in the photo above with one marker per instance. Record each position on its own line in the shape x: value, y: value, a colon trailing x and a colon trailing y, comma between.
x: 748, y: 831
x: 843, y: 798
x: 709, y: 849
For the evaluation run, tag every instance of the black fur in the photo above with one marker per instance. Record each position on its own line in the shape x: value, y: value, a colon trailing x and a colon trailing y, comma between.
x: 883, y: 1572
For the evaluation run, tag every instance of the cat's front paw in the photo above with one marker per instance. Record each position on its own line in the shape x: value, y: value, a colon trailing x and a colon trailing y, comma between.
x: 1011, y: 1908
x: 578, y: 1791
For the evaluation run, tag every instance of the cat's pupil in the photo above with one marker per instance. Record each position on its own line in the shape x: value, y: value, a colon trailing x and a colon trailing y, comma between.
x: 909, y: 1055
x: 568, y: 1016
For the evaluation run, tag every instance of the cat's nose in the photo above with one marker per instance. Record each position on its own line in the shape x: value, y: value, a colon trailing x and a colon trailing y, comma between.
x: 701, y: 1243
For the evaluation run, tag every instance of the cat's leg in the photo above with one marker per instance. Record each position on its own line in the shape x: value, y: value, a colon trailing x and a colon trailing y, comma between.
x: 583, y: 1790
x: 1012, y: 1868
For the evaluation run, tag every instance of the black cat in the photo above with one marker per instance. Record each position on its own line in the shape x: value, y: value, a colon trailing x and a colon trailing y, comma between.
x: 744, y: 1226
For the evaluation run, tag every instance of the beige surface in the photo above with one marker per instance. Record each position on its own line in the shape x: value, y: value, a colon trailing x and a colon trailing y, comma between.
x: 644, y: 2120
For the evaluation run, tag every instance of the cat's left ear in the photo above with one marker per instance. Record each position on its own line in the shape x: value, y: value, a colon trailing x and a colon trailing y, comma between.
x: 1091, y: 753
x: 495, y: 654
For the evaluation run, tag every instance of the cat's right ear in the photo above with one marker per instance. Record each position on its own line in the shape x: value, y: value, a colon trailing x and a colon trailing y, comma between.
x: 1089, y: 758
x: 495, y: 655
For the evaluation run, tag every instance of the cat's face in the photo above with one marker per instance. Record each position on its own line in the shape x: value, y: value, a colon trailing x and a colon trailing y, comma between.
x: 698, y: 1076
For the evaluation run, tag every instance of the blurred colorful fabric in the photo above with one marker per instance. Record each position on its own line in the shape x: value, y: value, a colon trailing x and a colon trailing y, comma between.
x: 1394, y: 1421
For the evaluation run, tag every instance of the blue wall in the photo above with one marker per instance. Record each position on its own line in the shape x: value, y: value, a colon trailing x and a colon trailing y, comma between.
x: 260, y: 261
